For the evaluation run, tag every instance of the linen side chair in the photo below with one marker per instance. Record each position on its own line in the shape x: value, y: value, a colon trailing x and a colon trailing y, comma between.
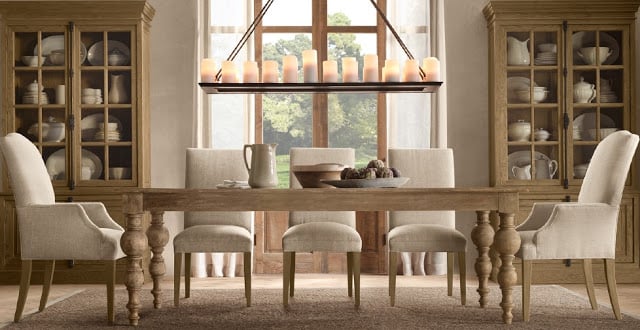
x: 51, y: 231
x: 585, y: 229
x: 328, y: 231
x: 218, y: 231
x: 426, y: 231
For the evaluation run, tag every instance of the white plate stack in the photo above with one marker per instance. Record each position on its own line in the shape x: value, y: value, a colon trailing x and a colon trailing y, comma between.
x: 606, y: 94
x: 30, y: 97
x: 113, y: 133
x: 546, y: 58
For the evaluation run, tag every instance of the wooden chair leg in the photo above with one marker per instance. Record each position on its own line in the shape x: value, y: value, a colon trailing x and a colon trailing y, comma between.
x: 356, y: 276
x: 177, y: 265
x: 247, y: 276
x: 286, y: 272
x: 49, y: 267
x: 462, y: 265
x: 187, y: 275
x: 449, y: 274
x: 25, y: 279
x: 393, y: 271
x: 588, y: 280
x: 526, y: 289
x: 350, y: 273
x: 111, y: 283
x: 610, y: 274
x: 292, y: 274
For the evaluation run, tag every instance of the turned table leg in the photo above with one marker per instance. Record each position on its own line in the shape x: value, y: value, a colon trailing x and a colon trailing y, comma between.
x: 158, y: 236
x: 133, y: 243
x: 482, y: 236
x: 507, y: 243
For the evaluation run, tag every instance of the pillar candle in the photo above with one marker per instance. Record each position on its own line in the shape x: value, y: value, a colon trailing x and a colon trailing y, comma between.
x: 392, y: 70
x: 411, y: 71
x: 229, y: 74
x: 349, y: 69
x: 330, y: 71
x: 290, y: 69
x: 370, y: 68
x: 269, y: 72
x: 431, y: 68
x: 250, y: 72
x: 208, y: 70
x: 310, y: 65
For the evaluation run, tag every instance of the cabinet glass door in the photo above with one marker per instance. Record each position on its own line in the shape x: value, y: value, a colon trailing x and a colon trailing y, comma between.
x: 106, y: 110
x: 39, y: 102
x: 533, y: 111
x: 600, y: 87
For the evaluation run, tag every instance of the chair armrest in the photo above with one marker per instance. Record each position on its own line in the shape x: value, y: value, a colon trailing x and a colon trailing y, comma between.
x: 55, y: 230
x: 538, y: 216
x: 579, y: 230
x: 99, y: 215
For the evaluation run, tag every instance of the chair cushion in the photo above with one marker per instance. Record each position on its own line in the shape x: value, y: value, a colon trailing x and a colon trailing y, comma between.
x: 321, y: 236
x: 213, y: 238
x: 426, y: 238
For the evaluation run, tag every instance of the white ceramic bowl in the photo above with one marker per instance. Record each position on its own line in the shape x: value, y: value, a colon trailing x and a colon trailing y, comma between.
x: 120, y: 173
x: 56, y: 57
x: 32, y: 60
x: 579, y: 171
x: 548, y: 48
x: 588, y: 54
x: 55, y: 133
x: 539, y: 95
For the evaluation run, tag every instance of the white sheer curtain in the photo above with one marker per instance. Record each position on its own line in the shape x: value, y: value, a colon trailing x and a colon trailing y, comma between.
x: 419, y: 120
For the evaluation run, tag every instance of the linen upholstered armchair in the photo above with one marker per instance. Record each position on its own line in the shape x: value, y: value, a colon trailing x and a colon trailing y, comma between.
x: 585, y: 229
x: 328, y: 231
x: 51, y: 231
x: 213, y: 231
x: 426, y: 231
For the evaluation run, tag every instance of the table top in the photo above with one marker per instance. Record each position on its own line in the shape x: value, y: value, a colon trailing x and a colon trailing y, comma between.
x: 322, y: 199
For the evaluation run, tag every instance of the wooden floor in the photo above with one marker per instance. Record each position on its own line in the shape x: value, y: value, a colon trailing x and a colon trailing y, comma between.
x: 629, y: 294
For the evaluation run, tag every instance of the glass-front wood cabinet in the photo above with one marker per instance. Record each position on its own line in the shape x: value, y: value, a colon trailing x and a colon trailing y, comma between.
x: 561, y: 78
x: 76, y: 83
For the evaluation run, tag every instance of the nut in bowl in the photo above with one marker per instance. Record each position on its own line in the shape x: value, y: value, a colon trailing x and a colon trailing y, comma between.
x: 310, y: 176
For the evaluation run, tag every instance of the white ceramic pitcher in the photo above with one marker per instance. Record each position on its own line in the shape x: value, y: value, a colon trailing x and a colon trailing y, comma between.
x: 522, y: 172
x: 546, y: 169
x: 262, y: 173
x: 517, y: 51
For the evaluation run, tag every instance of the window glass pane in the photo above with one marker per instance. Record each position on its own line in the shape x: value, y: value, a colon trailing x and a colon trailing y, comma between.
x: 353, y: 124
x: 288, y: 13
x: 227, y: 13
x: 408, y: 13
x: 227, y: 120
x: 221, y: 45
x: 409, y: 120
x: 352, y: 12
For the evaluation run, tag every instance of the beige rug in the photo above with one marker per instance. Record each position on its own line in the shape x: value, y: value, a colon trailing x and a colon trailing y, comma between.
x: 416, y: 308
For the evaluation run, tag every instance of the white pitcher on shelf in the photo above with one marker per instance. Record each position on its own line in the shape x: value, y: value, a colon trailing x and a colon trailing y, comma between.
x: 522, y: 172
x: 517, y: 52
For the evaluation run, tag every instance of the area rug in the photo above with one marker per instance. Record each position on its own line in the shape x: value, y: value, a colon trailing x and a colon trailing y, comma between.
x: 552, y: 307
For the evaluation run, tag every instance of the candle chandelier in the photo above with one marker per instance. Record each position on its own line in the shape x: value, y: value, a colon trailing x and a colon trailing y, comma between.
x: 415, y: 79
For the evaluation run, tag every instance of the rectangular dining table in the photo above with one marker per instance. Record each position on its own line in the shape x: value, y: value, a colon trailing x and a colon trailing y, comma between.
x: 484, y: 200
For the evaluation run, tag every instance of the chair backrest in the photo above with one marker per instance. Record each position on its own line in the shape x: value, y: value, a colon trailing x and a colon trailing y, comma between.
x: 28, y: 174
x: 312, y: 156
x: 608, y: 169
x: 207, y: 168
x: 425, y: 168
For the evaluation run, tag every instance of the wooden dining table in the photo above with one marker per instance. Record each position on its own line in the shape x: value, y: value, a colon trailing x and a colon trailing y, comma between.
x: 503, y: 201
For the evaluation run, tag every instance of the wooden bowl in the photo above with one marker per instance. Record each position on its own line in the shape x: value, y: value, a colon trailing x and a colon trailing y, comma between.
x: 309, y: 176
